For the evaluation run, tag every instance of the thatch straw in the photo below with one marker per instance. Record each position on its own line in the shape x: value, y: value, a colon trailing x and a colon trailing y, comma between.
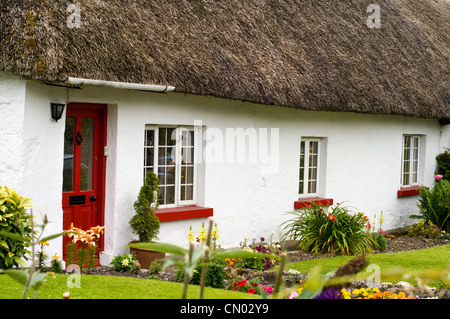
x: 311, y: 55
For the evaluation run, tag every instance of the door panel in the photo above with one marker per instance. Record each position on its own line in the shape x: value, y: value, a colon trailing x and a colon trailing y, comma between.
x: 84, y: 167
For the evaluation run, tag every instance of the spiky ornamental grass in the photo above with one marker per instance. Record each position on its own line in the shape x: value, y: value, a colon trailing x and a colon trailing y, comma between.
x: 330, y: 230
x: 434, y: 204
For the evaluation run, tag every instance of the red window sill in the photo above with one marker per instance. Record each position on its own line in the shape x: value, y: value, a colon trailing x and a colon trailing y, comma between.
x: 181, y: 213
x: 409, y: 191
x: 309, y: 202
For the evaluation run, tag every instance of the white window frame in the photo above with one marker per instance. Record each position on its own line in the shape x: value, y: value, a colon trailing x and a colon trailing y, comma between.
x: 319, y: 169
x: 414, y: 165
x: 178, y: 145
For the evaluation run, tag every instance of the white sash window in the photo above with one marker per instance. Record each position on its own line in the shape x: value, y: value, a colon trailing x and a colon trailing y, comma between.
x: 169, y: 152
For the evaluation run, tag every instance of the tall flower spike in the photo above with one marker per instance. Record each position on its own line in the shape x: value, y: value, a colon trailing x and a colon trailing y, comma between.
x: 215, y: 232
x: 202, y: 233
x: 190, y: 235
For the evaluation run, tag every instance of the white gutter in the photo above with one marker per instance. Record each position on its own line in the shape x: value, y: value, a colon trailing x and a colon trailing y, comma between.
x: 122, y: 85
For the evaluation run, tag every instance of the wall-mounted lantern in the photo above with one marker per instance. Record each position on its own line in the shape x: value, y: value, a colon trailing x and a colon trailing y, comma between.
x: 57, y: 110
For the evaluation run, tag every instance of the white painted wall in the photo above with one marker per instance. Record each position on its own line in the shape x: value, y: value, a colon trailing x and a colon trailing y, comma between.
x: 12, y: 112
x: 363, y: 160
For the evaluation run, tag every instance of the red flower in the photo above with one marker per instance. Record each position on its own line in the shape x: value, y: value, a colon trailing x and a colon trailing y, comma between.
x: 251, y: 291
x: 242, y: 283
x: 368, y: 226
x: 331, y: 217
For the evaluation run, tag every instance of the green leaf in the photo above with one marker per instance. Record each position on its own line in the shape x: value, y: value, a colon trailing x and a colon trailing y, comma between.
x: 242, y: 254
x: 314, y: 284
x: 21, y: 276
x: 20, y: 261
x: 161, y: 247
x: 48, y: 238
x: 173, y: 261
x: 12, y: 236
x: 37, y: 280
x: 4, y: 244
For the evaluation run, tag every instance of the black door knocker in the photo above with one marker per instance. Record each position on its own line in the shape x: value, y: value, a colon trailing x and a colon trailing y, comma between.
x: 79, y: 138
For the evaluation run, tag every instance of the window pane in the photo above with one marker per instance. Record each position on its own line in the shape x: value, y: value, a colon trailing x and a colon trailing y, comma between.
x: 314, y: 146
x: 187, y: 165
x: 170, y: 175
x: 302, y: 167
x: 68, y: 154
x: 87, y: 131
x: 406, y: 145
x: 149, y: 151
x: 312, y: 187
x: 312, y: 170
x: 149, y: 138
x: 162, y: 136
x: 312, y: 173
x: 149, y: 157
x: 190, y: 175
x: 170, y: 136
x: 170, y: 195
x: 189, y: 192
x: 415, y: 160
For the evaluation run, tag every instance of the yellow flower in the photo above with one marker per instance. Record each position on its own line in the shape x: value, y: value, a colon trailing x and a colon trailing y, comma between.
x: 356, y: 292
x: 215, y: 232
x: 202, y: 234
x: 44, y: 243
x: 190, y: 234
x: 55, y: 257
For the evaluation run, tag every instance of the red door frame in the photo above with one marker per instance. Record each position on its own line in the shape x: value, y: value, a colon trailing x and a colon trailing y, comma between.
x: 99, y: 171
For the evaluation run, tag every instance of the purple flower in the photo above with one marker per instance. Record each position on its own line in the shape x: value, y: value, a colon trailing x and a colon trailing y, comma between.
x: 329, y: 294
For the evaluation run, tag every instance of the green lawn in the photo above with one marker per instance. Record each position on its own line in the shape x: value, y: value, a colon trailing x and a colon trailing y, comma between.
x: 112, y: 287
x: 411, y: 262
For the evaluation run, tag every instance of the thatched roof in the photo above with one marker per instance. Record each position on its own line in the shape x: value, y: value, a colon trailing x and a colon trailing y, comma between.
x: 306, y: 54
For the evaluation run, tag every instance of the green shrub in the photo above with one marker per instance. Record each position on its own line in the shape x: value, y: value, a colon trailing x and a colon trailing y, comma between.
x: 250, y: 263
x: 145, y: 223
x: 14, y: 219
x: 443, y: 161
x: 381, y: 241
x: 339, y: 231
x: 215, y: 277
x: 56, y: 265
x: 126, y: 263
x: 155, y: 268
x: 434, y: 204
x: 422, y: 229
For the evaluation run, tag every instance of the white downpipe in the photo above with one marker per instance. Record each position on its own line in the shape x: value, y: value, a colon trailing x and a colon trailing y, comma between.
x: 122, y: 85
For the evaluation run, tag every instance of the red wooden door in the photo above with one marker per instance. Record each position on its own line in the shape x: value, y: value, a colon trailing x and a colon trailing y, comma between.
x: 84, y: 167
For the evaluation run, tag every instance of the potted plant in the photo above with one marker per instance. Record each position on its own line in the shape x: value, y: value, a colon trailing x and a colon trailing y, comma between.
x: 145, y: 224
